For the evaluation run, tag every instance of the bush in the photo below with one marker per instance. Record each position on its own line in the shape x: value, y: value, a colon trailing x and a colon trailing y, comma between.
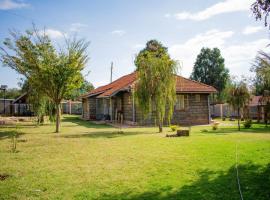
x: 248, y: 123
x: 173, y: 127
x: 215, y: 126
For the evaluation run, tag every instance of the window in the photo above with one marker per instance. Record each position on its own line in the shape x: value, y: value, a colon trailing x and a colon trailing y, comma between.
x: 197, y: 98
x: 180, y: 102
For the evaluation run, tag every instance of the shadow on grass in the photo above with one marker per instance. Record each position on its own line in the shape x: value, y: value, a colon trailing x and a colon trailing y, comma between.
x: 220, y: 185
x: 227, y: 130
x: 7, y: 133
x: 80, y: 122
x: 106, y: 134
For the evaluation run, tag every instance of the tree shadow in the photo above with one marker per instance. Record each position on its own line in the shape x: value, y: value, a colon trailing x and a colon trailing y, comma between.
x: 106, y: 134
x: 88, y: 124
x: 7, y: 133
x: 228, y: 130
x: 210, y: 185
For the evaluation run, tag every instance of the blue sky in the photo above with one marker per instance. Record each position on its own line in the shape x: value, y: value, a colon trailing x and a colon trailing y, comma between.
x: 118, y: 29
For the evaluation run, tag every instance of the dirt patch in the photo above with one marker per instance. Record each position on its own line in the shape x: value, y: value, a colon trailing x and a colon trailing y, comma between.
x: 4, y: 177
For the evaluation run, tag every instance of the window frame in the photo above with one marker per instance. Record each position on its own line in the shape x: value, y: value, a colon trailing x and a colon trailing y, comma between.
x: 197, y: 98
x: 180, y: 102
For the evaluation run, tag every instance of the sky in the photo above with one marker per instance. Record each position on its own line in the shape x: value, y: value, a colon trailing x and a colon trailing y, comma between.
x: 118, y: 29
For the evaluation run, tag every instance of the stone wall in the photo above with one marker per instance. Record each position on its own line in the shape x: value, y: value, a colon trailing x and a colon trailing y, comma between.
x: 85, y: 111
x: 127, y: 106
x: 195, y: 112
x: 92, y: 107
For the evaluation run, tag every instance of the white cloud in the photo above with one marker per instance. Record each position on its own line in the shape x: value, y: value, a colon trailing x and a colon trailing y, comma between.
x: 77, y: 27
x: 167, y: 15
x: 226, y: 6
x: 252, y: 29
x: 11, y: 4
x: 237, y: 56
x: 118, y: 32
x: 54, y: 34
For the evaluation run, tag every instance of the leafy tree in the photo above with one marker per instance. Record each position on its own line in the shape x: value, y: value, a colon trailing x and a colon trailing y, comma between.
x: 209, y: 68
x: 40, y: 103
x: 85, y: 87
x: 54, y: 73
x: 261, y: 9
x: 155, y: 89
x: 261, y: 68
x: 11, y: 93
x: 238, y: 97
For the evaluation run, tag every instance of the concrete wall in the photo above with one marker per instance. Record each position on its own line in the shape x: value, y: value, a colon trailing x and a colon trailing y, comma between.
x: 194, y: 113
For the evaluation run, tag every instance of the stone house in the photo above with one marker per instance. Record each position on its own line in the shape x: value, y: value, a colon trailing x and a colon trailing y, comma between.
x: 115, y: 101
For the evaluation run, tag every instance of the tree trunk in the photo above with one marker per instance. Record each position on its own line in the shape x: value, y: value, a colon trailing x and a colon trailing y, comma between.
x: 238, y: 112
x: 160, y: 126
x: 58, y: 117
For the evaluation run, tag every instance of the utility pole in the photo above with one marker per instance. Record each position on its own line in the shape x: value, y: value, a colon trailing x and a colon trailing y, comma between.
x: 110, y: 100
x: 111, y: 70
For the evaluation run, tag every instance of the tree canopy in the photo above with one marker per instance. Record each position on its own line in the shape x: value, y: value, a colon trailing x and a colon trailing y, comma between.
x: 155, y: 89
x: 261, y: 9
x: 54, y: 73
x: 10, y: 93
x: 85, y: 87
x: 209, y: 68
x: 238, y: 97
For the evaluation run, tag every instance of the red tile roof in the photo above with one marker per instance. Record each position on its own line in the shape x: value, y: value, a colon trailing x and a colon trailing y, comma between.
x: 183, y: 85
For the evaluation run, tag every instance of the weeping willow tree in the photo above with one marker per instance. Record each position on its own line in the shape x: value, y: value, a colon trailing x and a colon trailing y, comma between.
x: 155, y: 88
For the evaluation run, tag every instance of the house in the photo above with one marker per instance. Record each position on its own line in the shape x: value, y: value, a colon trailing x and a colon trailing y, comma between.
x: 116, y: 101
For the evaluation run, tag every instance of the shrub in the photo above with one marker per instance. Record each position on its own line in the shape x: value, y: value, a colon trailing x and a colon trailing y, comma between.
x: 215, y: 126
x: 248, y: 123
x: 173, y: 127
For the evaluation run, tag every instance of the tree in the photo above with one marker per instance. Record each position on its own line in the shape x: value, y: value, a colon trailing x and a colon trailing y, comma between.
x: 209, y: 68
x: 238, y: 97
x: 55, y: 73
x: 40, y: 103
x: 11, y: 93
x: 155, y: 88
x: 85, y: 87
x: 261, y: 9
x: 261, y: 68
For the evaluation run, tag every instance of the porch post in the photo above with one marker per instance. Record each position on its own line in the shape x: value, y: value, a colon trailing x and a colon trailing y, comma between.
x: 209, y: 113
x: 133, y: 106
x: 104, y: 109
x: 110, y: 109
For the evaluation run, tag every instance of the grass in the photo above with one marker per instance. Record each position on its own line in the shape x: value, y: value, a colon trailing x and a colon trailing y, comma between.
x: 88, y: 161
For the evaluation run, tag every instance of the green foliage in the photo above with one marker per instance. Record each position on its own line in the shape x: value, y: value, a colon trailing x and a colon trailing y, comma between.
x: 261, y: 9
x: 209, y: 68
x: 53, y: 73
x: 173, y: 127
x: 261, y: 68
x: 248, y: 123
x: 155, y: 89
x: 238, y: 97
x: 85, y: 87
x: 11, y: 93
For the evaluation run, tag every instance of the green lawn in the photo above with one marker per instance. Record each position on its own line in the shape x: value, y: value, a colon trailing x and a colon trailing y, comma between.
x: 87, y: 161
